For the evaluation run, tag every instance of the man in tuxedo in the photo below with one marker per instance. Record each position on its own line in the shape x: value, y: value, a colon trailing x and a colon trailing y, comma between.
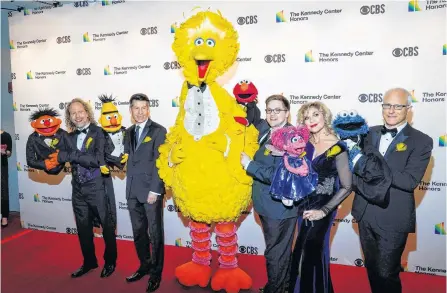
x: 144, y: 190
x: 278, y: 221
x: 85, y: 152
x: 385, y: 219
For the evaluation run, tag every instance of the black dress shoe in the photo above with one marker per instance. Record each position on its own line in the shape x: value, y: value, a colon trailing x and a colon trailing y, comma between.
x: 136, y: 276
x: 153, y: 284
x: 107, y: 271
x: 82, y: 271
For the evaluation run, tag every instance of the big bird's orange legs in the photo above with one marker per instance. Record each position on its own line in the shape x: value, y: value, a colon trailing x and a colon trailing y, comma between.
x: 229, y: 276
x: 197, y: 271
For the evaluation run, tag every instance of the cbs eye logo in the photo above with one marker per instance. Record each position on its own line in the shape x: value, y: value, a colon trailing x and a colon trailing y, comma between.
x: 84, y: 71
x: 406, y: 52
x: 63, y: 40
x: 252, y: 19
x: 171, y: 65
x: 372, y: 9
x: 275, y: 58
x: 248, y: 250
x: 146, y: 31
x: 71, y: 230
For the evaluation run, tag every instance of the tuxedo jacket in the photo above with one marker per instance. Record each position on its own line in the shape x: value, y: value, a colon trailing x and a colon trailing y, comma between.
x: 262, y: 168
x: 110, y: 147
x: 407, y: 159
x: 93, y: 155
x: 37, y: 151
x: 142, y: 173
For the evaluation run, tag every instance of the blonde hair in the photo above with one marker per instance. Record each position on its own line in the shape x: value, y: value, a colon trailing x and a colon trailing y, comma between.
x: 321, y: 107
x: 70, y: 125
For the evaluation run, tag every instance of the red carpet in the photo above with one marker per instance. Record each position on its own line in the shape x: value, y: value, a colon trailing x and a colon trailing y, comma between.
x: 41, y: 262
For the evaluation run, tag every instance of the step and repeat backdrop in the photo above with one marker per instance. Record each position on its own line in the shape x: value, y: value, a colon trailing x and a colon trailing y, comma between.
x: 345, y: 54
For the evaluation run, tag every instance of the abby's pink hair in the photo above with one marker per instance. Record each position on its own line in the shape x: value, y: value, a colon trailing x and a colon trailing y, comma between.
x: 284, y: 134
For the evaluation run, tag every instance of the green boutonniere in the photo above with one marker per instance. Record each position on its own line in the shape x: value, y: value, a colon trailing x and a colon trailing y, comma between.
x: 54, y: 142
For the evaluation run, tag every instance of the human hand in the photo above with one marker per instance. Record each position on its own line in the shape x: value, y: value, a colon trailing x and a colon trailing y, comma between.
x: 50, y: 164
x: 245, y: 159
x: 314, y: 215
x: 151, y: 198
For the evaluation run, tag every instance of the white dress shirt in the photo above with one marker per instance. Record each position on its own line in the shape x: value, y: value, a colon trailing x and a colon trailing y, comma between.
x: 81, y: 137
x: 385, y: 141
x: 142, y: 125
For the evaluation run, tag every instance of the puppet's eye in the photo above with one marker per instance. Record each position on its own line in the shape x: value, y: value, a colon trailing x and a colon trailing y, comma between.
x: 42, y: 121
x: 247, y: 81
x: 198, y: 42
x: 108, y: 117
x: 241, y: 82
x: 116, y: 116
x: 210, y: 42
x: 343, y: 114
x: 51, y: 120
x: 353, y: 113
x: 294, y: 139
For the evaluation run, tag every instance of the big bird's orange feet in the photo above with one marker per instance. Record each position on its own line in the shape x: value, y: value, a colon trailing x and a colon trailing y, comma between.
x: 193, y: 274
x: 229, y: 276
x: 197, y: 271
x: 231, y: 280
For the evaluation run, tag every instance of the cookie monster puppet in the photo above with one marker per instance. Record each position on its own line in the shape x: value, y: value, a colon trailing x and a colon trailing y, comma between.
x: 371, y: 174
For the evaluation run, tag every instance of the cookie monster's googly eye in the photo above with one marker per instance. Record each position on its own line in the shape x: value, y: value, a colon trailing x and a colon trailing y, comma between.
x: 210, y: 42
x: 198, y: 42
x: 343, y: 114
x: 353, y: 113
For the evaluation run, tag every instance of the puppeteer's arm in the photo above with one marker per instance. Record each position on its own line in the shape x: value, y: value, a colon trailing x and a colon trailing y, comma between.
x: 87, y: 160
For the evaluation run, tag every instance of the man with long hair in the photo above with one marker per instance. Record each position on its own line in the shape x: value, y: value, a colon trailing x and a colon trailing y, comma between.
x: 85, y: 153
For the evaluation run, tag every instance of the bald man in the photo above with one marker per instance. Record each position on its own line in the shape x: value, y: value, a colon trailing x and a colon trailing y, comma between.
x: 385, y: 220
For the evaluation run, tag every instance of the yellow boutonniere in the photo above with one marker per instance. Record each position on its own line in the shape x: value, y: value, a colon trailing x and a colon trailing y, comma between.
x: 89, y: 141
x: 147, y: 139
x: 266, y: 152
x: 54, y: 142
x: 333, y: 151
x: 400, y: 147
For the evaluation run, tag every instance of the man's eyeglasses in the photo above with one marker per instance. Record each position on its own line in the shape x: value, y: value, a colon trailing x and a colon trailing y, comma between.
x: 396, y: 107
x: 276, y: 111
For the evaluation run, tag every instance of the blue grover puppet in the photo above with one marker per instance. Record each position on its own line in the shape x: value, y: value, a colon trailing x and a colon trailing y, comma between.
x: 352, y: 130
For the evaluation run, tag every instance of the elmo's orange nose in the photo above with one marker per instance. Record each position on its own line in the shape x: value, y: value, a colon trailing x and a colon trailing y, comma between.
x: 244, y: 86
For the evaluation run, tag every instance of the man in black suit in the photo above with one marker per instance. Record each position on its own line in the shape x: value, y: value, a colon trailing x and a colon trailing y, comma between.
x: 385, y: 219
x: 85, y: 152
x: 144, y: 190
x: 278, y: 221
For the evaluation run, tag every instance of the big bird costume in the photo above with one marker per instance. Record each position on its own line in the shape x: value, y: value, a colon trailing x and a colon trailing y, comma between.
x: 200, y: 160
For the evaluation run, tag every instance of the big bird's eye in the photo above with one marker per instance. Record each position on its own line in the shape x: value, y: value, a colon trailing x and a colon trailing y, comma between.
x: 51, y: 120
x: 42, y: 121
x: 211, y: 42
x: 353, y: 113
x: 198, y: 42
x: 343, y: 114
x: 108, y: 117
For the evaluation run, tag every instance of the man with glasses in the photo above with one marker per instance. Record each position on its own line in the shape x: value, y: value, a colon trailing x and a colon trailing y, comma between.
x: 278, y: 221
x: 384, y: 226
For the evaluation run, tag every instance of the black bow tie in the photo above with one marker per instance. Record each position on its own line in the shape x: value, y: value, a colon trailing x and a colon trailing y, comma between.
x: 85, y: 130
x: 392, y: 131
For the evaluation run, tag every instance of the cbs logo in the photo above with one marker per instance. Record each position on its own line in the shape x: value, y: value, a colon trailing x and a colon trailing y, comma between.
x: 372, y: 9
x: 359, y: 262
x: 248, y: 250
x: 252, y: 19
x: 276, y: 58
x: 149, y: 31
x: 372, y: 98
x: 84, y: 71
x: 406, y: 52
x: 171, y: 65
x: 63, y: 40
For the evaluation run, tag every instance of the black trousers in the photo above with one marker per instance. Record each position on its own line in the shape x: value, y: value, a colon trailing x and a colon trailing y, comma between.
x: 89, y: 201
x: 383, y: 251
x: 278, y: 236
x: 148, y: 234
x: 5, y: 192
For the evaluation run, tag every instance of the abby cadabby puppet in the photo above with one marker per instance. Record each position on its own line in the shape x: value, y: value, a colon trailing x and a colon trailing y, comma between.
x: 294, y: 178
